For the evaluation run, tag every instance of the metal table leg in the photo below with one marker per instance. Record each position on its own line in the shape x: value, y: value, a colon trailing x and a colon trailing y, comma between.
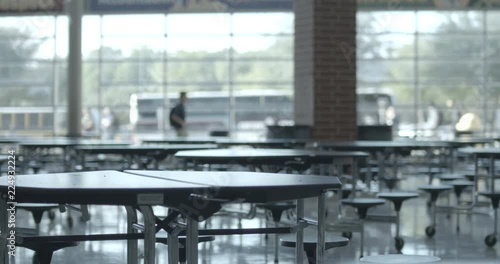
x: 173, y: 248
x: 192, y: 241
x: 299, y: 248
x: 320, y: 249
x: 492, y: 173
x: 132, y: 256
x: 149, y: 235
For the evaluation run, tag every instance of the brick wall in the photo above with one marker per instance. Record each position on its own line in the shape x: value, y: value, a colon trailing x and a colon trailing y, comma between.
x: 325, y: 67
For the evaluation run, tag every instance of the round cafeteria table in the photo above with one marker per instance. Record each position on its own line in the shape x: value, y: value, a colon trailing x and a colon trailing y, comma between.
x: 400, y: 259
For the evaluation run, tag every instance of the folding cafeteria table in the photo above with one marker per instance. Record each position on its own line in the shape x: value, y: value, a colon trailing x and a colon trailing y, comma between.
x: 155, y: 152
x: 491, y: 155
x: 198, y: 195
x: 180, y: 140
x: 30, y: 149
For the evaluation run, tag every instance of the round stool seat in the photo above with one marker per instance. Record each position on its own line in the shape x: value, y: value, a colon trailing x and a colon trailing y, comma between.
x: 460, y: 185
x: 390, y: 182
x: 37, y: 210
x: 162, y: 237
x: 362, y: 204
x: 435, y: 190
x: 470, y: 175
x: 277, y: 208
x: 310, y: 242
x: 400, y: 259
x: 45, y: 250
x: 451, y: 176
x: 397, y: 197
x: 311, y: 239
x: 494, y: 197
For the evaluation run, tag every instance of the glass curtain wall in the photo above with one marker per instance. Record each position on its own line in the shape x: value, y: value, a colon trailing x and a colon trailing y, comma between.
x: 238, y: 69
x: 32, y: 76
x: 227, y: 63
x: 446, y: 59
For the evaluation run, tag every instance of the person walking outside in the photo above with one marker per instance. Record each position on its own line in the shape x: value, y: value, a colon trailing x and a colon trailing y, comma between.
x: 178, y: 116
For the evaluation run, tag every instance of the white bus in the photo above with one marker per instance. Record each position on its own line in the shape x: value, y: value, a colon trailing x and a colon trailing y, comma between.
x: 210, y: 110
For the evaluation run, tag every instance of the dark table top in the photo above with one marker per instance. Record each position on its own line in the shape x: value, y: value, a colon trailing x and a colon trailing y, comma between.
x: 253, y: 187
x: 482, y: 152
x: 379, y: 145
x: 462, y: 142
x: 142, y: 149
x: 170, y: 188
x: 265, y: 156
x: 264, y: 143
x: 62, y: 142
x: 228, y: 141
x: 181, y: 140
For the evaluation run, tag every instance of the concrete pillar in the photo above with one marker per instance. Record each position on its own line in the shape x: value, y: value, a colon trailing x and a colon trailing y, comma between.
x: 74, y: 108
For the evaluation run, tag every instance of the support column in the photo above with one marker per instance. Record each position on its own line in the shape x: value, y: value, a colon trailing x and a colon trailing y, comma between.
x: 74, y: 108
x: 325, y: 68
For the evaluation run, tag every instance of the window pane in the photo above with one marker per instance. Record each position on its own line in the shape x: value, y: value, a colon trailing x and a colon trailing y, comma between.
x: 145, y: 47
x: 493, y: 21
x: 205, y: 111
x: 32, y: 73
x: 385, y: 70
x: 255, y: 71
x: 90, y: 83
x: 257, y: 105
x: 60, y: 124
x: 62, y: 39
x: 453, y: 21
x: 380, y: 105
x: 21, y: 47
x: 117, y: 95
x: 493, y: 47
x: 378, y: 22
x: 139, y: 25
x: 37, y: 26
x: 214, y: 73
x: 262, y: 23
x: 26, y: 95
x: 61, y: 84
x: 450, y: 70
x: 198, y: 24
x: 385, y: 46
x: 140, y: 73
x: 91, y: 33
x: 263, y: 47
x: 198, y: 47
x: 455, y: 46
x: 462, y: 94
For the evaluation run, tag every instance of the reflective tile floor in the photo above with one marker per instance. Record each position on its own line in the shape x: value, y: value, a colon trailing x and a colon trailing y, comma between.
x: 467, y: 246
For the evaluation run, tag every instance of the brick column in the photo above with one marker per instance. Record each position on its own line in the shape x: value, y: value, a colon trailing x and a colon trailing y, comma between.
x: 325, y: 67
